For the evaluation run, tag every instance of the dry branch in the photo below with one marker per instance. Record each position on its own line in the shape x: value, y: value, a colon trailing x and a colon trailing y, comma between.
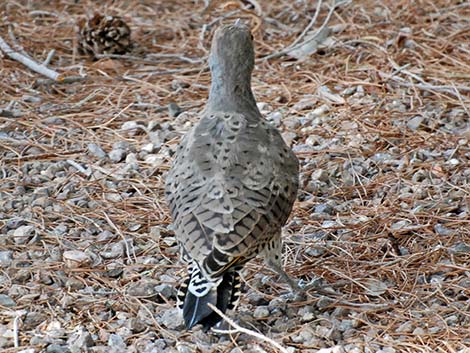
x: 30, y: 63
x: 241, y: 329
x: 318, y: 33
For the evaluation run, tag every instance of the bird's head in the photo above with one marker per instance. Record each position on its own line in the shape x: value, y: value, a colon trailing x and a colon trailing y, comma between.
x: 232, y: 49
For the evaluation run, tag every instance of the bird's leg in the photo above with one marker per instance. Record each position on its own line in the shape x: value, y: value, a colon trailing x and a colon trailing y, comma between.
x: 293, y: 283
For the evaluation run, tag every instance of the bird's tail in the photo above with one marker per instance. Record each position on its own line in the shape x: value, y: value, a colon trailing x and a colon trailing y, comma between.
x: 196, y: 292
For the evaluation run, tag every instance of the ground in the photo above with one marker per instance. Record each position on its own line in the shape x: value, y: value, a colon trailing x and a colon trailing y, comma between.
x: 376, y: 109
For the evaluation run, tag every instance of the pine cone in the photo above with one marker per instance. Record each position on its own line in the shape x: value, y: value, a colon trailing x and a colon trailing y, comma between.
x: 103, y: 35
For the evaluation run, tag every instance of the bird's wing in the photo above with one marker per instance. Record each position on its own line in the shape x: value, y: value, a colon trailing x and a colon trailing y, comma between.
x: 231, y: 186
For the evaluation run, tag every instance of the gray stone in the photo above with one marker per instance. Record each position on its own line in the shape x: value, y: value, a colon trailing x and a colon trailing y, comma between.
x: 96, y: 150
x: 15, y: 223
x: 174, y: 110
x: 415, y: 122
x: 261, y: 312
x: 117, y: 343
x: 6, y: 301
x: 320, y: 175
x: 171, y: 319
x: 76, y: 258
x: 23, y: 234
x: 80, y: 340
x: 165, y: 290
x: 442, y: 230
x: 55, y: 348
x: 6, y: 257
x: 117, y: 155
x: 323, y: 208
x: 459, y: 248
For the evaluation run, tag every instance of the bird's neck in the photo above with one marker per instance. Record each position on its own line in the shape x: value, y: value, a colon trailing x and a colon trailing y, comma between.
x: 232, y: 93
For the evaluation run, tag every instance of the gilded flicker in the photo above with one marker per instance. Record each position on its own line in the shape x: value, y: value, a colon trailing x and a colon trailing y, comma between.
x: 231, y: 186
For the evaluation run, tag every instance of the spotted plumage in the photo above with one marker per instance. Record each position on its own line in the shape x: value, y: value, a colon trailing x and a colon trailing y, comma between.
x: 231, y: 186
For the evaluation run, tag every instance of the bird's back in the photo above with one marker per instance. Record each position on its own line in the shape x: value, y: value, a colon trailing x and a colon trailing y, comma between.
x: 232, y: 186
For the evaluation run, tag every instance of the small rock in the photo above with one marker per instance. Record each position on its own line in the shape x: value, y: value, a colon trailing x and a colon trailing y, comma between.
x: 60, y: 229
x: 55, y: 348
x: 6, y: 301
x: 23, y: 234
x: 315, y: 251
x: 320, y: 111
x: 452, y: 320
x: 459, y: 248
x: 419, y: 331
x: 275, y: 118
x: 149, y: 148
x: 143, y: 289
x: 15, y: 223
x: 415, y: 122
x: 105, y: 236
x: 33, y: 319
x: 335, y: 349
x: 117, y: 343
x: 154, y: 160
x: 54, y: 329
x: 29, y: 350
x: 387, y: 350
x: 171, y: 319
x: 324, y: 302
x: 174, y: 110
x: 177, y: 84
x: 96, y: 150
x: 320, y: 175
x: 400, y: 224
x: 113, y: 197
x: 405, y: 327
x: 289, y: 137
x: 323, y: 208
x: 6, y: 257
x: 117, y: 250
x: 80, y: 340
x: 292, y: 123
x: 74, y: 284
x: 136, y: 325
x: 117, y: 155
x: 303, y: 336
x: 131, y: 127
x: 261, y: 312
x: 76, y: 258
x: 185, y: 348
x: 165, y: 290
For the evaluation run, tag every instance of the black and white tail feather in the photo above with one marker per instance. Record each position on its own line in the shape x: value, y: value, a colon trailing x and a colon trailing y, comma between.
x: 196, y: 292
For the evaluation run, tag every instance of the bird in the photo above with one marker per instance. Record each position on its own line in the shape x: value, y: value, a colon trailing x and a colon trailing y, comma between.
x: 231, y: 186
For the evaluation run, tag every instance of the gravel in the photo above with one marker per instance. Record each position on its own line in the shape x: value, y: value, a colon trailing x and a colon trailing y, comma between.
x: 89, y: 262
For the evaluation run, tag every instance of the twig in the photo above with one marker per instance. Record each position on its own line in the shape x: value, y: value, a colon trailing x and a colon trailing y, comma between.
x: 167, y: 72
x: 43, y: 13
x: 310, y: 24
x: 30, y: 63
x: 49, y: 58
x: 426, y: 86
x: 314, y: 36
x: 15, y: 43
x: 238, y: 328
x: 78, y: 167
x: 118, y: 231
x: 68, y: 79
x: 157, y: 59
x: 459, y: 96
x: 16, y: 339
